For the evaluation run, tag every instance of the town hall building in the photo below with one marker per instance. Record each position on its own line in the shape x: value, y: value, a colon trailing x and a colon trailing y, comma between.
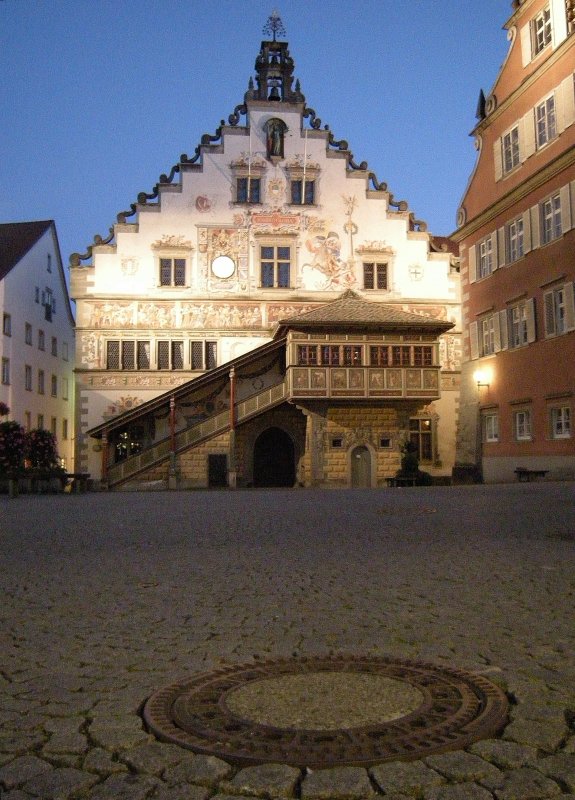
x: 268, y: 315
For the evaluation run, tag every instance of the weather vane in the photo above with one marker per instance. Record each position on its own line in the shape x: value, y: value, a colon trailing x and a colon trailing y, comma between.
x: 274, y: 25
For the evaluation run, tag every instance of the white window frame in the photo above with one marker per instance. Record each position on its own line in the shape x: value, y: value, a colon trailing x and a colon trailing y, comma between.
x: 491, y: 427
x: 485, y: 260
x: 515, y: 240
x: 7, y: 324
x: 510, y: 151
x: 276, y: 260
x: 5, y: 371
x: 560, y: 420
x: 488, y: 335
x: 551, y: 222
x: 541, y: 31
x: 174, y: 279
x: 545, y: 122
x: 522, y: 425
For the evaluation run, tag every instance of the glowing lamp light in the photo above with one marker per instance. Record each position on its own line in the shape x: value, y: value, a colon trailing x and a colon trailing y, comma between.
x: 482, y: 377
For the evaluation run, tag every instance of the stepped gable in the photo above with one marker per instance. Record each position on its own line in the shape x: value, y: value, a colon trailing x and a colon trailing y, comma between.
x: 353, y: 312
x: 16, y: 239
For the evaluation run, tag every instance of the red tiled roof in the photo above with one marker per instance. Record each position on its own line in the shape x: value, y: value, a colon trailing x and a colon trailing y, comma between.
x: 16, y: 239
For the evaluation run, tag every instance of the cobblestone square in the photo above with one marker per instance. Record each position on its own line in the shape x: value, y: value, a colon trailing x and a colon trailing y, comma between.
x: 105, y: 598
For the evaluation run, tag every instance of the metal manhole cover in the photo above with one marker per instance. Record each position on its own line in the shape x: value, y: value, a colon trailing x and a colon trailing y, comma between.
x: 324, y: 712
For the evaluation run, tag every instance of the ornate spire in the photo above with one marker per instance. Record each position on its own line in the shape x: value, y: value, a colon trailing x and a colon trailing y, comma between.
x: 274, y: 26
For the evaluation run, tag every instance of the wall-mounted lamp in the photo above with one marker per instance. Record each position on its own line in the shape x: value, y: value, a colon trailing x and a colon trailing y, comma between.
x: 482, y: 377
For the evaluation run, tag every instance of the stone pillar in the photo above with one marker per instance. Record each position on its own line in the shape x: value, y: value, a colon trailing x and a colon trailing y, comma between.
x: 232, y: 469
x: 172, y: 472
x: 314, y: 445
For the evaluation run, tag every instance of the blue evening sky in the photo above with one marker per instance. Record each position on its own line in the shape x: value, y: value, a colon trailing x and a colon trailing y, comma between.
x: 99, y: 97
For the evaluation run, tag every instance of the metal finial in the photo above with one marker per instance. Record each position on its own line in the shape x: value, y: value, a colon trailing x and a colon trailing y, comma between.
x: 274, y: 25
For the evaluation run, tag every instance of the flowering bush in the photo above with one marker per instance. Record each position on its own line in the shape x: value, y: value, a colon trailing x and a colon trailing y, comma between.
x: 40, y: 449
x: 12, y: 446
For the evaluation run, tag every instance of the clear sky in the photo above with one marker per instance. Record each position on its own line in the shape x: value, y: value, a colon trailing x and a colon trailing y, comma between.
x: 99, y: 97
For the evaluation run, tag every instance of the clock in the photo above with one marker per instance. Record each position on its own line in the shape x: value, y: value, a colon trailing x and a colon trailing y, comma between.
x: 223, y: 267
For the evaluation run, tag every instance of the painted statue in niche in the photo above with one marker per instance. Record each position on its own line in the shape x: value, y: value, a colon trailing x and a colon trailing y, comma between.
x: 275, y: 130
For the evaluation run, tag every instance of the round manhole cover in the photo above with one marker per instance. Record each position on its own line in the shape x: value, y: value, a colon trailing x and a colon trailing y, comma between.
x: 324, y: 712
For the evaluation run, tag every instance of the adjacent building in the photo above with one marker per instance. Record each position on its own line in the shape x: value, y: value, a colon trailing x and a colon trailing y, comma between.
x: 269, y: 221
x: 37, y: 341
x: 516, y: 232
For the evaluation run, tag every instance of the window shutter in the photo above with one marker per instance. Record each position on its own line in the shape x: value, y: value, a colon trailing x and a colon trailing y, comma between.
x: 529, y: 133
x: 526, y: 231
x: 535, y: 239
x: 473, y: 341
x: 496, y: 333
x: 565, y: 209
x: 503, y: 330
x: 567, y: 93
x: 569, y: 306
x: 530, y: 319
x: 558, y: 22
x: 472, y: 264
x: 494, y: 250
x: 526, y: 44
x: 549, y: 313
x: 501, y: 246
x: 497, y: 160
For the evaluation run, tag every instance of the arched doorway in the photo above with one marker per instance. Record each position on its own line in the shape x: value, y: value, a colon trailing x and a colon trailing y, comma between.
x: 274, y: 459
x: 360, y: 467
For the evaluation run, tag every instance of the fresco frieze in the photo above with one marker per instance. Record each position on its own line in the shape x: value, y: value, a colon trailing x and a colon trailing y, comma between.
x: 227, y: 315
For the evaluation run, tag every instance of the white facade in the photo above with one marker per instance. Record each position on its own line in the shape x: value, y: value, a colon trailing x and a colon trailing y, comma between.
x: 37, y: 342
x: 138, y: 338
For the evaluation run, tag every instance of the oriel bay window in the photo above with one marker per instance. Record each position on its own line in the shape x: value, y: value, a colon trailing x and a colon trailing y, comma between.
x: 331, y: 355
x: 401, y: 355
x: 275, y: 266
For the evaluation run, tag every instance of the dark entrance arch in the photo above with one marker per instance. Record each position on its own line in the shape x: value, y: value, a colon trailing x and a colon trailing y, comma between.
x: 274, y: 459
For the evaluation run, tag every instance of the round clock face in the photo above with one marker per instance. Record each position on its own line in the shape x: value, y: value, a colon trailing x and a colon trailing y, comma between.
x: 223, y: 267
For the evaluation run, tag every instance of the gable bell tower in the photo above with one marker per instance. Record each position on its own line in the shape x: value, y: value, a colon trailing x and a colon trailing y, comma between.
x: 274, y: 68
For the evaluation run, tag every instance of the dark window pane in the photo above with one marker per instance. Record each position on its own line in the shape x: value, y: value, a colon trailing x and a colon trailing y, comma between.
x: 165, y: 271
x: 128, y: 355
x: 180, y: 272
x: 143, y: 355
x: 283, y: 253
x: 283, y: 275
x: 177, y: 355
x: 267, y: 253
x: 163, y: 355
x: 113, y: 355
x: 197, y: 355
x: 211, y: 355
x: 267, y: 274
x: 296, y: 192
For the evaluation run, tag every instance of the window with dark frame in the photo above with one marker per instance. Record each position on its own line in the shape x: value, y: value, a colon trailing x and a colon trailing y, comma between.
x: 248, y: 190
x: 375, y: 275
x: 420, y: 434
x: 172, y: 271
x: 308, y: 197
x: 275, y: 265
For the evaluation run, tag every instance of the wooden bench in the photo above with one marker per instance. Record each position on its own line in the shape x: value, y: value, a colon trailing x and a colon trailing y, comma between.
x: 524, y: 474
x: 79, y: 481
x: 401, y: 481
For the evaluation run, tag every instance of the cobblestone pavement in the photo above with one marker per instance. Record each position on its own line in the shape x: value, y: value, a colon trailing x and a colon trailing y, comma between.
x: 105, y: 598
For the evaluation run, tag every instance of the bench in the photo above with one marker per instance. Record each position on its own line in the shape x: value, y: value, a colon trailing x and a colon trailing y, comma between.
x: 401, y: 481
x: 524, y: 474
x: 78, y: 481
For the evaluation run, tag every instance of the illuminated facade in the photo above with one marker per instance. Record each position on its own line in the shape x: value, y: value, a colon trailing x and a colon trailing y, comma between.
x: 517, y: 239
x: 270, y: 219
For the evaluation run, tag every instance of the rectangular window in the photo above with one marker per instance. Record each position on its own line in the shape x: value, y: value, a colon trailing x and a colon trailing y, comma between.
x: 400, y: 356
x: 485, y: 248
x: 54, y: 386
x: 7, y: 325
x: 275, y: 262
x: 488, y: 335
x: 113, y: 355
x: 545, y: 122
x: 352, y: 355
x: 49, y: 265
x: 40, y: 423
x: 64, y: 429
x: 518, y: 325
x: 375, y: 275
x: 306, y: 355
x: 308, y: 198
x: 211, y: 355
x: 171, y: 355
x: 28, y: 333
x: 248, y: 190
x: 6, y: 371
x: 65, y: 351
x: 420, y: 434
x: 491, y: 428
x: 541, y: 30
x: 41, y: 340
x: 514, y: 240
x: 197, y: 355
x: 40, y: 381
x: 172, y: 271
x: 54, y: 426
x: 37, y: 294
x: 129, y: 354
x: 510, y: 149
x: 28, y: 378
x: 561, y: 422
x: 422, y: 356
x: 522, y: 425
x: 379, y: 356
x: 551, y: 219
x: 143, y: 355
x: 330, y: 355
x: 64, y: 388
x: 54, y: 346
